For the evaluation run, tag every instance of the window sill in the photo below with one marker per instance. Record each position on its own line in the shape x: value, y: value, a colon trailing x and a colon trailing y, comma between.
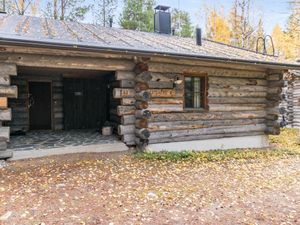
x: 194, y: 110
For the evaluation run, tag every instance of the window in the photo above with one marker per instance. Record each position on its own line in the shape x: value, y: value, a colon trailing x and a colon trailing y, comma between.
x: 195, y: 92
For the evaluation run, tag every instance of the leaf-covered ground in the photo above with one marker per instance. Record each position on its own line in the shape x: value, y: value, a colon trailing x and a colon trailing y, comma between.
x: 235, y: 187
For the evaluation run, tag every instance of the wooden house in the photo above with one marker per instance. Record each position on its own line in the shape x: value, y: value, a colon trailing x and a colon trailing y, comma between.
x: 159, y: 91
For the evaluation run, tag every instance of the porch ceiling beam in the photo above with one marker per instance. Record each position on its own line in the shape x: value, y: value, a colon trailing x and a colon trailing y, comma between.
x: 67, y: 62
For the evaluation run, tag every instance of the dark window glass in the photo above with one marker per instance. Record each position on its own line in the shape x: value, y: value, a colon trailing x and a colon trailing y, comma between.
x: 194, y: 92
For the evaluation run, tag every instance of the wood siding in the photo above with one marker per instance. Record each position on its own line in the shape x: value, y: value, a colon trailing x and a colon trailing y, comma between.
x: 240, y: 103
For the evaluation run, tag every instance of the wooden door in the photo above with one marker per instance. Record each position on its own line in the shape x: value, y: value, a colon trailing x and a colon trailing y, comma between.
x: 39, y: 105
x: 85, y: 103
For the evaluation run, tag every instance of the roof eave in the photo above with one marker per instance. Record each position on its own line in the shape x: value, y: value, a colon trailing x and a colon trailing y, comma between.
x: 69, y: 46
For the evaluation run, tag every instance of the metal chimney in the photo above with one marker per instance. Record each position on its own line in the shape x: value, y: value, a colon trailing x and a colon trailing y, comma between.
x: 198, y: 36
x: 162, y: 20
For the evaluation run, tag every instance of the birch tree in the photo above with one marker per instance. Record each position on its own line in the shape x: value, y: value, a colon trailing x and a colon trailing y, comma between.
x: 181, y: 22
x: 104, y: 11
x: 72, y: 10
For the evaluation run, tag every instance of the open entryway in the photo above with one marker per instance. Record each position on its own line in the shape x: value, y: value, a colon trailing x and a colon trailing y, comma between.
x: 39, y: 104
x: 62, y: 111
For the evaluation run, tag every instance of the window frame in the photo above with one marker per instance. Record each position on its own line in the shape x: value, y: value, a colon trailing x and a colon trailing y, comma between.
x: 204, y: 76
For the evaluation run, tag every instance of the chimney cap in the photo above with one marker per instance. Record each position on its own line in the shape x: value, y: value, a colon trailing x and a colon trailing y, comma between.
x: 162, y: 7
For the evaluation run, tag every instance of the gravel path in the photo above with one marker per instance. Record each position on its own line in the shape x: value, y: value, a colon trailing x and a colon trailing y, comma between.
x: 120, y: 189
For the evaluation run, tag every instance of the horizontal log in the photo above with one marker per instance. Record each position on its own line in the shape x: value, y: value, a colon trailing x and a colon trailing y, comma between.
x: 128, y: 119
x: 229, y: 100
x: 4, y: 80
x: 8, y: 69
x: 129, y: 139
x: 165, y: 108
x: 226, y: 93
x: 166, y: 101
x: 212, y: 71
x: 272, y: 131
x: 161, y: 84
x: 123, y: 84
x: 248, y: 88
x: 235, y: 107
x: 6, y: 154
x: 8, y: 91
x: 274, y: 77
x: 204, y: 137
x: 143, y: 77
x: 124, y: 75
x: 206, y: 131
x: 142, y: 133
x: 4, y: 133
x: 68, y: 62
x: 125, y: 110
x: 237, y: 81
x: 5, y: 114
x: 193, y: 116
x: 126, y: 129
x: 127, y: 101
x: 123, y: 93
x: 185, y: 125
x: 3, y: 102
x: 166, y: 93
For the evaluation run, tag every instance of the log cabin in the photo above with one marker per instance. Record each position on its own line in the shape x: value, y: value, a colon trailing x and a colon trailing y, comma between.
x: 159, y: 91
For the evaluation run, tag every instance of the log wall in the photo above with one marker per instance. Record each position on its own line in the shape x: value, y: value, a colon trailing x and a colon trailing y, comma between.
x: 296, y: 103
x: 6, y: 91
x: 20, y: 111
x: 240, y: 103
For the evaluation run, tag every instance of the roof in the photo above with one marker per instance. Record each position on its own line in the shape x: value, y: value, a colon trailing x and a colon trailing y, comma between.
x: 42, y: 31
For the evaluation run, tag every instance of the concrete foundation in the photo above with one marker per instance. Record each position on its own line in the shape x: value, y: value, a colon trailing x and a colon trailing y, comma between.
x: 260, y: 141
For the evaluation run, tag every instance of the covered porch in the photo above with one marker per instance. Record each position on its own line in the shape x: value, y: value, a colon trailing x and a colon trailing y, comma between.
x: 43, y: 143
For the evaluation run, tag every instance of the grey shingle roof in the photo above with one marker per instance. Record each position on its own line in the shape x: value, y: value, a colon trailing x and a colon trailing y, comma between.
x: 34, y: 29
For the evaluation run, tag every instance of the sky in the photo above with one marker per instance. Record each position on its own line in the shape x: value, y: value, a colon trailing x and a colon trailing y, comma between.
x: 272, y: 11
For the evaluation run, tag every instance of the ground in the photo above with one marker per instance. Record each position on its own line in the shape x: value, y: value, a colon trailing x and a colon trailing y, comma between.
x: 234, y: 187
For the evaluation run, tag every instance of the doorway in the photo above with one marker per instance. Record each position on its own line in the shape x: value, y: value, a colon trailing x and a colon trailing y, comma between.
x: 39, y: 103
x: 86, y: 103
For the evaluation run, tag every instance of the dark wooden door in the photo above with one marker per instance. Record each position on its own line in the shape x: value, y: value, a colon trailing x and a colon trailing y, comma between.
x: 39, y: 105
x: 85, y: 103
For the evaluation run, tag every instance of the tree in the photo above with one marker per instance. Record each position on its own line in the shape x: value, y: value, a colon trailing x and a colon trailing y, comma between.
x: 72, y: 10
x: 138, y: 15
x: 181, y: 22
x: 242, y: 30
x: 217, y: 27
x: 104, y: 11
x: 22, y: 7
x: 259, y: 34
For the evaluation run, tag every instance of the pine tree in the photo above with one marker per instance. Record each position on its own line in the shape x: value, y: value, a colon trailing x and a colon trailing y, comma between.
x: 137, y: 15
x: 104, y: 11
x: 181, y: 22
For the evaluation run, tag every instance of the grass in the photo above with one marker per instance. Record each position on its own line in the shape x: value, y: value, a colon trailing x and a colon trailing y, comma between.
x: 287, y: 143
